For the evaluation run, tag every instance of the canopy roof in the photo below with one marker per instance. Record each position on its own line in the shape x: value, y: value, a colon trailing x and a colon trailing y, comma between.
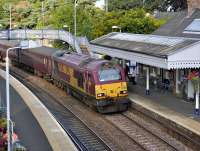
x: 151, y: 50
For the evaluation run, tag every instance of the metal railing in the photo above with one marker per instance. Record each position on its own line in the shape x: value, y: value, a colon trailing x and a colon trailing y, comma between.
x: 21, y: 34
x: 83, y: 42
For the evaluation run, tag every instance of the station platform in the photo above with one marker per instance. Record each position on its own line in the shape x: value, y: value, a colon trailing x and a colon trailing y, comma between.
x: 166, y: 108
x: 26, y: 126
x: 37, y: 129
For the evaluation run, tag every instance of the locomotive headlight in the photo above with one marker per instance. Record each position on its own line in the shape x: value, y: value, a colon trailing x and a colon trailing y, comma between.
x: 124, y: 92
x: 100, y: 95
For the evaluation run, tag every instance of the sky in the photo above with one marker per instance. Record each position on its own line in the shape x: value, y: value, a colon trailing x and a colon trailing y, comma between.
x: 100, y: 3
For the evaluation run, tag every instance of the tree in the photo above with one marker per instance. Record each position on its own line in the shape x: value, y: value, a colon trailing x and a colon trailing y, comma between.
x: 86, y: 2
x: 91, y: 21
x: 4, y: 12
x: 132, y: 21
x: 150, y: 5
x: 136, y: 21
x: 123, y: 4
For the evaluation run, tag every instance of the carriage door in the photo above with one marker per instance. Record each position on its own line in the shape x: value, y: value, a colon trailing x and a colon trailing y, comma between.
x: 49, y: 65
x: 87, y: 78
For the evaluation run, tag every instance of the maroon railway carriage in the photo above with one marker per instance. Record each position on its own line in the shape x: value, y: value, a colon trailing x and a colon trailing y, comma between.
x: 39, y: 59
x: 4, y: 45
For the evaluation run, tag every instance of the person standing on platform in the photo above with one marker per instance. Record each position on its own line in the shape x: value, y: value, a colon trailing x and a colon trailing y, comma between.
x: 126, y: 71
x: 132, y: 72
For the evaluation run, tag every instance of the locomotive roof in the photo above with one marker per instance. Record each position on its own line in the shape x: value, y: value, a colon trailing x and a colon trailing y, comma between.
x: 46, y: 51
x: 80, y: 60
x: 93, y: 65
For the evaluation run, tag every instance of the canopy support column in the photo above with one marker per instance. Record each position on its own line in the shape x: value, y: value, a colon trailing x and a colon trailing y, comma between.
x: 197, y: 101
x: 190, y: 89
x: 123, y: 63
x: 137, y: 71
x: 177, y: 81
x: 147, y: 81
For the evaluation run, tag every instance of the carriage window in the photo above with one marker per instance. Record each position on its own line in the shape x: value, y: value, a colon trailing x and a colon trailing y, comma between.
x: 45, y: 61
x: 49, y: 64
x: 109, y: 75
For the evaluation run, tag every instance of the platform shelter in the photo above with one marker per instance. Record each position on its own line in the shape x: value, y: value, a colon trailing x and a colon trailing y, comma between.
x: 158, y: 59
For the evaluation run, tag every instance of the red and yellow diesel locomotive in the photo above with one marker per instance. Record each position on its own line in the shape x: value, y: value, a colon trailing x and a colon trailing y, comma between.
x: 99, y: 83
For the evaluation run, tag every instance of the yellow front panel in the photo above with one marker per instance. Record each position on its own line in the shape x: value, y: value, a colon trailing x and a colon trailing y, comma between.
x: 111, y: 90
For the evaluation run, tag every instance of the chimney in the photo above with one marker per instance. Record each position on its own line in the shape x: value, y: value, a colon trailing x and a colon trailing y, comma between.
x: 192, y: 4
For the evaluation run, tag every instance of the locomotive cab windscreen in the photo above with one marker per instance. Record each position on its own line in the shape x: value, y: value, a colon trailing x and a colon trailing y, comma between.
x: 112, y: 82
x: 109, y: 74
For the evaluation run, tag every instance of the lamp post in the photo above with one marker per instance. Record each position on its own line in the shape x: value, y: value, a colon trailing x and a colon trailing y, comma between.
x: 75, y: 1
x: 42, y: 14
x: 8, y: 97
x: 117, y: 27
x: 106, y: 5
x: 147, y: 15
x: 143, y: 3
x: 66, y: 26
x: 10, y: 8
x: 10, y: 19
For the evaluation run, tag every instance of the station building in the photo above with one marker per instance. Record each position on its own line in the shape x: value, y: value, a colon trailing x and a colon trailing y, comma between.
x: 165, y: 58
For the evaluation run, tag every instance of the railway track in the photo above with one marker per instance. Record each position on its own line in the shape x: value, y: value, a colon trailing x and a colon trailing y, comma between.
x: 146, y: 132
x: 84, y: 138
x: 157, y: 130
x: 141, y: 136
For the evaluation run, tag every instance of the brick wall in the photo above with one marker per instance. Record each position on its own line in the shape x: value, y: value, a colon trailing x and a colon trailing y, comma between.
x: 192, y: 4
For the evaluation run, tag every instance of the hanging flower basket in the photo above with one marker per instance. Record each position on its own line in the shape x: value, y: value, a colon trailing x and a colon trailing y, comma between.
x: 194, y: 76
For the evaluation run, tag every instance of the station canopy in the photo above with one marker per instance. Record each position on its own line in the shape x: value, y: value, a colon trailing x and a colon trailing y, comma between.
x: 154, y: 50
